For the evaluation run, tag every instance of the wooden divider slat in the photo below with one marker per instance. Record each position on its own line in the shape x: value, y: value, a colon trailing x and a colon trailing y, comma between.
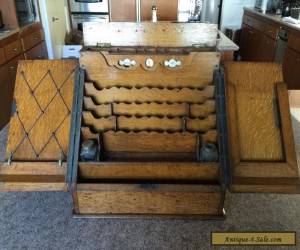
x: 145, y: 94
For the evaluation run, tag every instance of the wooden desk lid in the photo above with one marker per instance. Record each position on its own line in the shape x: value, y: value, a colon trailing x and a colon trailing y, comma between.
x: 262, y: 149
x: 161, y: 34
x: 40, y: 127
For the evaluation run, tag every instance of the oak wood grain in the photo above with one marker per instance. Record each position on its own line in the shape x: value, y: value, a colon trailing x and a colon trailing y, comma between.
x: 155, y: 171
x: 104, y: 70
x: 160, y: 200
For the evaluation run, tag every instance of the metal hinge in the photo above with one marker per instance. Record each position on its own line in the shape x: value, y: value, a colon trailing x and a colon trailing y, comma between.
x: 103, y: 45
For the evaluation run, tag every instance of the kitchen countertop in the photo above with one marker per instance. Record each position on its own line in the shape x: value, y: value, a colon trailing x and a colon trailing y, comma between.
x: 8, y: 33
x: 275, y: 18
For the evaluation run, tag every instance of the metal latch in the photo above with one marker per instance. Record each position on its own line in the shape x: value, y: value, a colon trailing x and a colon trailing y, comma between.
x: 103, y: 45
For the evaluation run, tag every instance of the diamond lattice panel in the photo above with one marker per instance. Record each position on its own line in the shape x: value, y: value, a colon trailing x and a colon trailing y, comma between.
x: 39, y: 129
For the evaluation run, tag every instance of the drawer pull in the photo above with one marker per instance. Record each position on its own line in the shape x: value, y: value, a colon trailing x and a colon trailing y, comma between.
x: 172, y: 63
x: 127, y: 63
x: 12, y: 67
x: 15, y: 49
x: 149, y: 63
x: 35, y: 38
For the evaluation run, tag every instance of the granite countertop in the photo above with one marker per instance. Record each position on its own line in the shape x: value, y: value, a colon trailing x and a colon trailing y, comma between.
x: 275, y: 18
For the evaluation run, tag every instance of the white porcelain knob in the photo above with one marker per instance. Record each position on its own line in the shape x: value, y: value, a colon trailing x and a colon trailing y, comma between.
x: 149, y: 63
x: 172, y: 63
x: 127, y: 62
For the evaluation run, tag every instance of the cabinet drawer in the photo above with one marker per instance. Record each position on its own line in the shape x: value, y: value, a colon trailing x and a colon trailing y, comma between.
x: 13, y: 49
x: 2, y: 56
x: 157, y: 199
x: 32, y: 39
x: 37, y: 52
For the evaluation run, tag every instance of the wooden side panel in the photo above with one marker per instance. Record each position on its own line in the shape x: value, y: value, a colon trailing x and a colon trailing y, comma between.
x: 165, y: 200
x: 39, y: 129
x: 262, y: 150
x: 251, y: 94
x: 145, y: 94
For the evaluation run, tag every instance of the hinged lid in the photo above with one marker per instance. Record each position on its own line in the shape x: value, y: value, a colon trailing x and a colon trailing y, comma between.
x: 158, y: 35
x: 38, y: 140
x: 262, y: 150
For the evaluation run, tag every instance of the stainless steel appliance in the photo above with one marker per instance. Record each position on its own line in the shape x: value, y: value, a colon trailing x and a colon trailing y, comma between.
x: 26, y: 11
x: 199, y: 10
x: 283, y: 36
x: 264, y: 5
x: 89, y: 6
x: 79, y: 19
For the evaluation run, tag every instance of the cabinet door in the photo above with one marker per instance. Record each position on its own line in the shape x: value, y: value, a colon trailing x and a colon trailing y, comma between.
x: 37, y: 52
x: 291, y: 68
x: 123, y: 11
x: 166, y: 10
x: 7, y: 76
x: 255, y: 46
x: 261, y: 143
x: 248, y: 44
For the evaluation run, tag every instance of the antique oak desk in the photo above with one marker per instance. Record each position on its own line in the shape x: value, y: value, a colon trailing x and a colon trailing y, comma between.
x: 150, y: 123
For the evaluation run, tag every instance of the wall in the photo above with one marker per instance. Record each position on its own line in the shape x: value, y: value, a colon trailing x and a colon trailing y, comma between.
x: 232, y: 12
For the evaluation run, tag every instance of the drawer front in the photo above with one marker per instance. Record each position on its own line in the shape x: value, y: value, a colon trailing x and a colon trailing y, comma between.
x: 135, y: 199
x: 33, y: 39
x: 2, y: 56
x: 294, y: 42
x: 13, y: 49
x: 38, y: 52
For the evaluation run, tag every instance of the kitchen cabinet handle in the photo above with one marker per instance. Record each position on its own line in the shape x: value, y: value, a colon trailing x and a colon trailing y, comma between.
x: 172, y: 63
x: 15, y: 49
x: 12, y: 67
x: 35, y: 38
x: 127, y: 63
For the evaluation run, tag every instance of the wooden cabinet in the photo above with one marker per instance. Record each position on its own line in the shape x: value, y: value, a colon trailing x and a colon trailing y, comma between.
x: 26, y: 44
x: 123, y: 11
x: 255, y: 46
x: 166, y: 10
x: 291, y: 68
x: 37, y: 52
x: 7, y: 76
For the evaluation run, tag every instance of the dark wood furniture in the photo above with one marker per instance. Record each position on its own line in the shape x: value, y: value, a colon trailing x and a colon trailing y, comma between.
x: 258, y: 43
x: 27, y: 43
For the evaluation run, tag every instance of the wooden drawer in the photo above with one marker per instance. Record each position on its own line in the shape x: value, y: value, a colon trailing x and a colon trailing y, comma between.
x: 2, y: 56
x: 266, y: 28
x: 13, y: 49
x: 29, y: 41
x: 37, y: 52
x: 294, y: 42
x: 136, y: 199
